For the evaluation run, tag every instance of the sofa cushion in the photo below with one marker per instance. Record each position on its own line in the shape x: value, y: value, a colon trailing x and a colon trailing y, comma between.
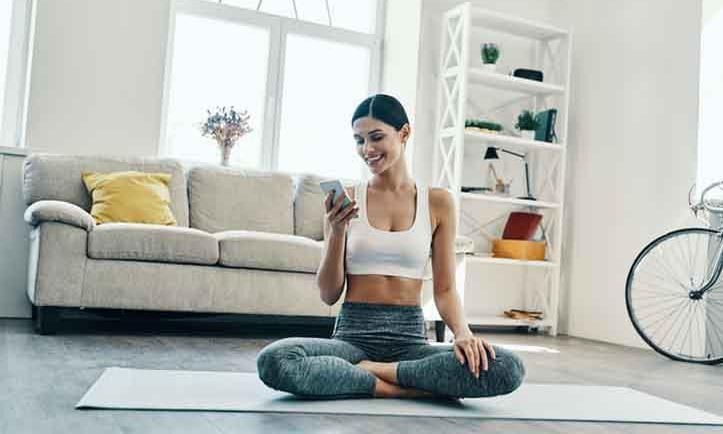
x: 309, y: 209
x: 199, y: 288
x: 58, y: 177
x: 225, y: 199
x: 130, y: 197
x: 144, y: 242
x: 269, y: 251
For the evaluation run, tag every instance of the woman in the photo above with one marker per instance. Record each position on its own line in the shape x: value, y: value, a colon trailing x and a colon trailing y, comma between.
x: 380, y: 244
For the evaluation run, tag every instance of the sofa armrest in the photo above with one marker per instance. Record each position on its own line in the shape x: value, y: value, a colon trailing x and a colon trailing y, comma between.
x: 58, y: 211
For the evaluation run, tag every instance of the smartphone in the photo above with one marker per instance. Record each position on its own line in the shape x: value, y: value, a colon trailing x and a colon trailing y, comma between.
x: 335, y: 184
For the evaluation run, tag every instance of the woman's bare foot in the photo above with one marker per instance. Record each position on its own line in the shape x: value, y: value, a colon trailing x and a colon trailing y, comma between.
x: 385, y: 371
x: 384, y: 389
x: 386, y: 386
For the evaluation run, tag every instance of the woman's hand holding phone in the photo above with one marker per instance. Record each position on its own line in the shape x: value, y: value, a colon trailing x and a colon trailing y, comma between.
x: 338, y: 217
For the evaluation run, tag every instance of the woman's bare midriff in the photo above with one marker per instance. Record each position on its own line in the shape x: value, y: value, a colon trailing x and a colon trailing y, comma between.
x: 373, y: 288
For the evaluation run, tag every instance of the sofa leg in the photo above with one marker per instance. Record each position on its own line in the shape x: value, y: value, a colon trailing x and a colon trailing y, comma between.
x: 439, y: 329
x: 46, y: 320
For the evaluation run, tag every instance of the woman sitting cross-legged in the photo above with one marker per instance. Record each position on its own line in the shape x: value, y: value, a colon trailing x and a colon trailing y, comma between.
x: 380, y: 244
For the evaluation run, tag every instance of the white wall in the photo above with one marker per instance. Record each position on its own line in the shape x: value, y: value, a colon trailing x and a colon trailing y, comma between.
x: 97, y: 76
x: 710, y: 151
x: 632, y: 139
x: 14, y: 244
x: 400, y: 57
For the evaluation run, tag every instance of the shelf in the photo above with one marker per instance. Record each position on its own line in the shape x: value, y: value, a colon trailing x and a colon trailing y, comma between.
x: 506, y: 261
x: 503, y: 139
x: 492, y: 320
x: 507, y: 82
x: 508, y: 200
x: 463, y: 83
x: 514, y: 25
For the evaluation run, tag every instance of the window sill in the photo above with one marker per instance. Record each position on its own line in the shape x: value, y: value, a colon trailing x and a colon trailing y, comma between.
x: 9, y: 150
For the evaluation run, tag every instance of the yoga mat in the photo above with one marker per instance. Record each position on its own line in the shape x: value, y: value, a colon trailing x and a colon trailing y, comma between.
x: 145, y: 389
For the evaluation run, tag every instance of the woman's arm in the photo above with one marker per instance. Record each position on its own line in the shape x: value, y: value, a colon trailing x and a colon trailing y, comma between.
x: 467, y: 346
x: 331, y: 276
x: 443, y: 263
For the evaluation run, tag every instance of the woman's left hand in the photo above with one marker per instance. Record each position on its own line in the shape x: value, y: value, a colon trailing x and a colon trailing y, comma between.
x: 474, y: 350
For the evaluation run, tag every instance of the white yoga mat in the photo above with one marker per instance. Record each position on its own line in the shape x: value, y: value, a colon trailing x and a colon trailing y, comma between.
x: 145, y: 389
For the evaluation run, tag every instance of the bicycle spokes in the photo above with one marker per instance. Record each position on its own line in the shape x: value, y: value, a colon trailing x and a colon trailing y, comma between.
x: 674, y: 295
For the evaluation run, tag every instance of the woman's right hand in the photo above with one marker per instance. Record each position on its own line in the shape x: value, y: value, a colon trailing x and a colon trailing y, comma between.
x: 338, y: 218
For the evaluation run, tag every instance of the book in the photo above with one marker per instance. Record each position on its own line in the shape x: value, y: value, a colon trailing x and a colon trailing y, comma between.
x: 521, y: 226
x: 545, y: 132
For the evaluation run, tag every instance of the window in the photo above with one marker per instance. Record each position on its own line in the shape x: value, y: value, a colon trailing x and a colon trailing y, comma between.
x: 357, y: 15
x: 319, y: 99
x: 207, y: 74
x: 15, y: 17
x: 6, y: 12
x: 299, y: 80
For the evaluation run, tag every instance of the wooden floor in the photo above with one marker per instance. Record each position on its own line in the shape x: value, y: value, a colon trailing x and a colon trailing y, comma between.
x: 42, y: 377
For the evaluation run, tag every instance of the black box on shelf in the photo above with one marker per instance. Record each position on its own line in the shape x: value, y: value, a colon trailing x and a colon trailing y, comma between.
x: 529, y: 74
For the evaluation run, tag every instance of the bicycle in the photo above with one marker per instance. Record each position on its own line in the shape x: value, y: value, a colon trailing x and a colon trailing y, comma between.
x: 672, y: 293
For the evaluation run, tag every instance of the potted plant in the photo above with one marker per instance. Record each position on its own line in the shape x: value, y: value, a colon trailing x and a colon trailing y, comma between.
x: 483, y: 125
x: 490, y: 54
x: 226, y: 126
x: 527, y: 124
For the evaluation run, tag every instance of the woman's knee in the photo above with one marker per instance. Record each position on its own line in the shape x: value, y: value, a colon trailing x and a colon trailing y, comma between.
x: 275, y: 361
x: 511, y: 371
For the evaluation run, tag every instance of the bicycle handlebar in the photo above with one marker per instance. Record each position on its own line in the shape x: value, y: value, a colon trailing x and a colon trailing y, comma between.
x: 703, y: 204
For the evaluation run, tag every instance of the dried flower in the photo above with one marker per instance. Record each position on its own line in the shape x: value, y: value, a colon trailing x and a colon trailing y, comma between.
x: 226, y: 126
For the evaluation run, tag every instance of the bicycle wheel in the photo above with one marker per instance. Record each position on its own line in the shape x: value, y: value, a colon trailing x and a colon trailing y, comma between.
x: 661, y: 300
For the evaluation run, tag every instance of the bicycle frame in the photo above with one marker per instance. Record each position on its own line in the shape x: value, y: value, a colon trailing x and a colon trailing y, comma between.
x: 698, y: 293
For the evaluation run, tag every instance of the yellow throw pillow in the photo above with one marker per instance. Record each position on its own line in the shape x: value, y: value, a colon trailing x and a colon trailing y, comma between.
x: 130, y: 197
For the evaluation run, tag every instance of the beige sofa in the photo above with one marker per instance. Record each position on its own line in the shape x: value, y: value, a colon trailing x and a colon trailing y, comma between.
x: 247, y: 242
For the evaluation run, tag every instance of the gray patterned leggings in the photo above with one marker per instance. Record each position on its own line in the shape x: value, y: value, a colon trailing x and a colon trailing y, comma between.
x: 326, y: 368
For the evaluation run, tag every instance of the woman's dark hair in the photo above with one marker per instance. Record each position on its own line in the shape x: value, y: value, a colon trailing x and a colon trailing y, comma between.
x: 383, y: 107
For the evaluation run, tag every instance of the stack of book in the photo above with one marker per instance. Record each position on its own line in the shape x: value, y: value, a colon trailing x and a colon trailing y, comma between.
x: 523, y: 314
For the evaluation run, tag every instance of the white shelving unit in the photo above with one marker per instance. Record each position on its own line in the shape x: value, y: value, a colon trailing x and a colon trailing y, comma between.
x: 466, y: 90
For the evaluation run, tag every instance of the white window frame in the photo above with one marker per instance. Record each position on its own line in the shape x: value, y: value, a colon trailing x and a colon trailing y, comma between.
x: 14, y: 104
x: 279, y: 27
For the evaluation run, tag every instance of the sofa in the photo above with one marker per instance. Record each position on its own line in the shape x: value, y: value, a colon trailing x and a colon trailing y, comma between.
x: 247, y: 242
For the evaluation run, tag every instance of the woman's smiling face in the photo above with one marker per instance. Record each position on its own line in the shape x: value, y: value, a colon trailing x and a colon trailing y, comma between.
x: 378, y: 143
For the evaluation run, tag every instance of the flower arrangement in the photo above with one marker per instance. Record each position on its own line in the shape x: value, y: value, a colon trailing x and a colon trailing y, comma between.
x: 226, y: 126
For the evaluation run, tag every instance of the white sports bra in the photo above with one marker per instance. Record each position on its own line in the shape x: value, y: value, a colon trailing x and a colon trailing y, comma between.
x: 394, y: 253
